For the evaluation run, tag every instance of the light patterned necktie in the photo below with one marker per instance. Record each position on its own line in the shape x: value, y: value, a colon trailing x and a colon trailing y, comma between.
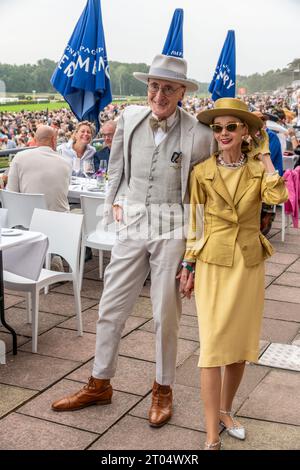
x: 155, y: 124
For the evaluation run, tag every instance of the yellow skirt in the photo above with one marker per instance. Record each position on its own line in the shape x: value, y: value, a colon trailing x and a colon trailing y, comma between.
x: 230, y: 303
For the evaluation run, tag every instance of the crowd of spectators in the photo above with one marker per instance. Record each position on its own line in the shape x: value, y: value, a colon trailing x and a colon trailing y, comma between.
x: 17, y: 129
x: 275, y: 105
x: 280, y: 114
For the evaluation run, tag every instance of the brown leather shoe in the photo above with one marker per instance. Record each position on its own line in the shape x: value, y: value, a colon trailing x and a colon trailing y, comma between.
x: 161, y: 408
x: 96, y: 392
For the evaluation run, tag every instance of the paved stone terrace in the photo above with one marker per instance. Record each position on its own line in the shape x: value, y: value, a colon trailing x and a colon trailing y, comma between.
x: 267, y: 402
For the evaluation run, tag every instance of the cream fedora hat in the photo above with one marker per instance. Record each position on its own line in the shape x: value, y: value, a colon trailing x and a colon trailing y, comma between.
x: 168, y: 68
x: 231, y: 107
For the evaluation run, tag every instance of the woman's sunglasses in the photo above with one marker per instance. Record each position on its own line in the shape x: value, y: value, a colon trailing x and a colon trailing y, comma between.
x: 231, y: 127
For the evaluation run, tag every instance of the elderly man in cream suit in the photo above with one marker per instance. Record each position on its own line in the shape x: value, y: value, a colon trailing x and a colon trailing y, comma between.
x: 153, y: 152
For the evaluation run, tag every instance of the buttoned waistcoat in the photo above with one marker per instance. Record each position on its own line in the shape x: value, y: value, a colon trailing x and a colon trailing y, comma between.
x: 195, y: 145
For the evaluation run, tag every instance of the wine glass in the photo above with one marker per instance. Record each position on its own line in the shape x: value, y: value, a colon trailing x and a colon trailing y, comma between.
x: 101, y: 178
x: 103, y: 166
x: 88, y: 169
x: 76, y: 171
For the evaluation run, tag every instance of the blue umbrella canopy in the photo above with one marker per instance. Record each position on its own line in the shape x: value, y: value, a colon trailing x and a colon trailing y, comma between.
x: 224, y: 81
x: 82, y: 75
x: 174, y: 41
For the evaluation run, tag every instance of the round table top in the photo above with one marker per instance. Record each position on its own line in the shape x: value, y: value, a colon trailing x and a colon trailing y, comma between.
x: 21, y: 237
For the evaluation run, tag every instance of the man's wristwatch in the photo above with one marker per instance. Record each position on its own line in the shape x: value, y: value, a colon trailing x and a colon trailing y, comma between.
x: 188, y: 266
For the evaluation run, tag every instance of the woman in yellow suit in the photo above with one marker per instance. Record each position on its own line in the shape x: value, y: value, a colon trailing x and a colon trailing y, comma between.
x: 229, y: 257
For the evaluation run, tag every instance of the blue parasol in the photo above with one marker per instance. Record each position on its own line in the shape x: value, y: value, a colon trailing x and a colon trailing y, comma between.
x: 224, y: 80
x: 174, y: 41
x: 82, y: 75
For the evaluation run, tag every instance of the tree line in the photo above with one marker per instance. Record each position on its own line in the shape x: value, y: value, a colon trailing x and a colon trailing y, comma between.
x: 26, y: 78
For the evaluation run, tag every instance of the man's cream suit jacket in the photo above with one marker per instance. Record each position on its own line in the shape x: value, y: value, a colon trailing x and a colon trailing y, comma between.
x: 196, y: 146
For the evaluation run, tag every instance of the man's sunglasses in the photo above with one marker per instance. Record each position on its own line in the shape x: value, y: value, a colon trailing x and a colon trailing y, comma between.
x: 231, y: 127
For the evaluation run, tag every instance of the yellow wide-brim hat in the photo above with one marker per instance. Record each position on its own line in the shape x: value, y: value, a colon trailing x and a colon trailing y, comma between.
x: 231, y: 107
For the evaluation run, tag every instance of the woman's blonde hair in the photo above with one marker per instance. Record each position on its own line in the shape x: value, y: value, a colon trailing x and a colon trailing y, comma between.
x: 79, y: 125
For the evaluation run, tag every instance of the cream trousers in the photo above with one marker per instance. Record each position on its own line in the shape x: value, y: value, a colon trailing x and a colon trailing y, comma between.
x: 131, y: 261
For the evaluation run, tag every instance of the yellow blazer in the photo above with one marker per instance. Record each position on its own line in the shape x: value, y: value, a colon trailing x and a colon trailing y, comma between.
x: 227, y: 221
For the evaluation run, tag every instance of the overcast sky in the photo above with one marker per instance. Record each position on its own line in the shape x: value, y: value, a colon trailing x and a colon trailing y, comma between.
x: 267, y: 31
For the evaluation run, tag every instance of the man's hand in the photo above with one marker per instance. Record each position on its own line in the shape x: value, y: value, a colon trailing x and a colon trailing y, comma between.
x: 4, y: 180
x: 117, y: 213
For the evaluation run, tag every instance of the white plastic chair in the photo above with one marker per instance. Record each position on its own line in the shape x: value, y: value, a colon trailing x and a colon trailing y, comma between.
x: 21, y: 206
x: 283, y: 222
x: 3, y: 224
x: 94, y: 234
x: 64, y: 233
x: 3, y: 218
x: 2, y: 352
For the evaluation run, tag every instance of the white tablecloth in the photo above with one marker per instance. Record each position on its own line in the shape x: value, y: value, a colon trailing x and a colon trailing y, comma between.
x: 24, y: 254
x: 82, y: 186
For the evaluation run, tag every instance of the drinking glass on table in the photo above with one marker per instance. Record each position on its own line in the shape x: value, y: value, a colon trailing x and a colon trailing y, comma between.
x: 103, y: 166
x: 88, y: 169
x: 101, y: 175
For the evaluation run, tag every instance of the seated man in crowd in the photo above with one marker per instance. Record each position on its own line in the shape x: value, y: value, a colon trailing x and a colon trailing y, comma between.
x: 42, y: 171
x: 107, y: 132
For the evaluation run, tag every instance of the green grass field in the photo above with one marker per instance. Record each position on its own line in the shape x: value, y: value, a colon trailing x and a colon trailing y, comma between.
x: 15, y: 108
x: 4, y: 162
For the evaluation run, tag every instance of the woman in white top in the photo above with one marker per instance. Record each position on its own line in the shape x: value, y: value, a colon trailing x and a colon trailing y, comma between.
x: 78, y: 152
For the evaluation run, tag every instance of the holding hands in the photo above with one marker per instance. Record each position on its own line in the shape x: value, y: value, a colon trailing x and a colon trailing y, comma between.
x: 186, y: 277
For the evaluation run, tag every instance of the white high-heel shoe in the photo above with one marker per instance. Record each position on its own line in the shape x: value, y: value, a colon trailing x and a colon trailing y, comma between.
x: 237, y: 431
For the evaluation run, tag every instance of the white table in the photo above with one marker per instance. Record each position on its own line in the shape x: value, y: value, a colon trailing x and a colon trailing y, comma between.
x: 82, y: 186
x: 23, y: 255
x: 26, y: 236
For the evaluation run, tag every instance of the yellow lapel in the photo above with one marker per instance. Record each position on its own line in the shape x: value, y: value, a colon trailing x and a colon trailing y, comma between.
x: 212, y: 173
x: 250, y: 173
